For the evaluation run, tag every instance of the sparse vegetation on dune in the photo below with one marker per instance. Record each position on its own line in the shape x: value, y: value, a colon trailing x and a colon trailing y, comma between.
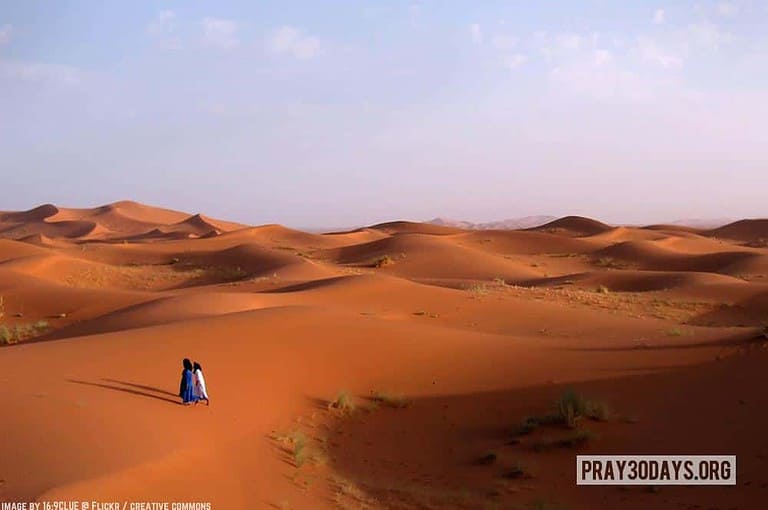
x: 343, y: 403
x: 20, y: 332
x: 6, y: 337
x: 477, y: 289
x: 349, y: 495
x: 569, y: 409
x: 295, y: 442
x: 142, y: 275
x: 633, y: 304
x: 573, y: 406
x: 611, y: 263
x: 383, y: 261
x: 676, y: 331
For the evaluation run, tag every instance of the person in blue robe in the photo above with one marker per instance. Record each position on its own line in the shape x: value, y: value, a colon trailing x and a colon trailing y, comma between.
x: 187, y: 385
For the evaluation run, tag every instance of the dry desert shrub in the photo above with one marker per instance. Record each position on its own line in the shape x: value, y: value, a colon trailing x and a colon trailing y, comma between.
x: 6, y: 337
x: 297, y: 444
x: 383, y: 261
x: 572, y: 406
x: 477, y: 289
x: 569, y: 409
x: 344, y: 403
x: 21, y: 332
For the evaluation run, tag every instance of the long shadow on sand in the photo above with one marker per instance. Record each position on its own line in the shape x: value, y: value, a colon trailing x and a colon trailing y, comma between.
x: 128, y: 390
x: 142, y: 387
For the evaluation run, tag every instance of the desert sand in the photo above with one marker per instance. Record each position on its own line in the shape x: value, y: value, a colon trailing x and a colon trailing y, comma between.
x: 385, y: 367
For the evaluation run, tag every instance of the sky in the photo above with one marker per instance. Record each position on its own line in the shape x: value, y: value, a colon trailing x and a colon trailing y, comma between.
x: 335, y: 113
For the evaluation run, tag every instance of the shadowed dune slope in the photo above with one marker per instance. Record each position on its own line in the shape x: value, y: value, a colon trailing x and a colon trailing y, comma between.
x: 640, y: 281
x: 652, y: 256
x: 743, y: 230
x: 35, y: 214
x: 575, y: 226
x: 409, y: 227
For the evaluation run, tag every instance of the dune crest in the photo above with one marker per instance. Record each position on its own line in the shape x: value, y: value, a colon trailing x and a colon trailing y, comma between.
x: 576, y: 226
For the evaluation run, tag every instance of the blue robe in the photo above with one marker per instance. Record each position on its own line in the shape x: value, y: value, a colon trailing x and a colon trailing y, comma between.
x: 187, y: 387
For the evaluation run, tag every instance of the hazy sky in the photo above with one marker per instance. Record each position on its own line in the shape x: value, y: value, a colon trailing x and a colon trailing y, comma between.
x: 334, y: 113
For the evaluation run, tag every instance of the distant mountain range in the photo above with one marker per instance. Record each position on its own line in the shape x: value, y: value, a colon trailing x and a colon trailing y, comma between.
x: 537, y: 221
x: 508, y: 224
x: 704, y: 223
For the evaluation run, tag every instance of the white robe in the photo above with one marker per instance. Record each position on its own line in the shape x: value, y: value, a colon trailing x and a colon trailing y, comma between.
x: 200, y: 389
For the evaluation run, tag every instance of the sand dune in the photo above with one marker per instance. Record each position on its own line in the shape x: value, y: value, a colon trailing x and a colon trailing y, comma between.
x: 474, y: 329
x: 640, y: 281
x: 619, y: 234
x: 409, y: 227
x: 531, y: 242
x: 677, y: 229
x: 165, y: 310
x: 10, y: 250
x: 119, y: 219
x: 201, y: 225
x: 35, y: 214
x: 743, y: 230
x: 575, y: 226
x: 653, y: 256
x: 428, y: 256
x: 123, y: 215
x: 277, y: 236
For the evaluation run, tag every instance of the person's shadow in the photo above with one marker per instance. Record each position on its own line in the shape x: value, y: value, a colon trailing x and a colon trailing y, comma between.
x: 133, y: 389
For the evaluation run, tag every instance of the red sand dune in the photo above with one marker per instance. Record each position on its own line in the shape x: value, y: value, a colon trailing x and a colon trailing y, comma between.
x: 575, y: 226
x: 409, y: 227
x: 743, y: 230
x: 474, y: 329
